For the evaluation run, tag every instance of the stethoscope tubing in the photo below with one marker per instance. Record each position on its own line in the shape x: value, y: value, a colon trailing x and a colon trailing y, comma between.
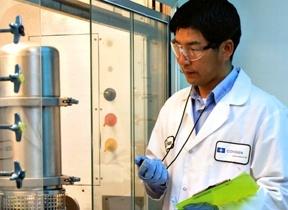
x: 180, y: 124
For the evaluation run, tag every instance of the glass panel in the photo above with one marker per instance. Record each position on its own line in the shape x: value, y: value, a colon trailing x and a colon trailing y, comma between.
x: 129, y: 87
x: 150, y: 84
x: 120, y: 97
x: 70, y: 35
x: 21, y: 146
x: 111, y: 69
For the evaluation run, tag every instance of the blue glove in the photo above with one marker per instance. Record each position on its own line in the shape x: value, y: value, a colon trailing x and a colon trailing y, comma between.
x: 153, y: 172
x: 201, y: 206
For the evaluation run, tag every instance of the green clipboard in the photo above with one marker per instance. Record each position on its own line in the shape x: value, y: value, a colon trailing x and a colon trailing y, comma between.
x: 234, y: 190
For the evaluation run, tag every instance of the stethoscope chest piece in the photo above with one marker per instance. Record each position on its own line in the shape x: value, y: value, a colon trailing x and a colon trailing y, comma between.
x: 169, y: 143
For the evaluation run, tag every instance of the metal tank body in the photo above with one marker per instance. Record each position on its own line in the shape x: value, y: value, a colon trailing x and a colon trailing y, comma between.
x: 30, y: 136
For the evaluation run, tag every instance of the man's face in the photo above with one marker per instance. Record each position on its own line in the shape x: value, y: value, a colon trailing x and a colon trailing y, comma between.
x: 208, y: 70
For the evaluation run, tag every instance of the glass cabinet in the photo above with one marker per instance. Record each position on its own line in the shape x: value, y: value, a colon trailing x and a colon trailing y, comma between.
x: 113, y: 67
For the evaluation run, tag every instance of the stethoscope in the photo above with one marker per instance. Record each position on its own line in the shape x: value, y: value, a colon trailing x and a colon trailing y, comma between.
x: 170, y: 140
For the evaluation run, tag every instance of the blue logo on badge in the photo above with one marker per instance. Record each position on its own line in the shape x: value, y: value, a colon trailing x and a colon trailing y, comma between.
x: 221, y: 149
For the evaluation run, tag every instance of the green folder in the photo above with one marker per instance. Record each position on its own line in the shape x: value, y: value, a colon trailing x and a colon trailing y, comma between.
x: 234, y: 190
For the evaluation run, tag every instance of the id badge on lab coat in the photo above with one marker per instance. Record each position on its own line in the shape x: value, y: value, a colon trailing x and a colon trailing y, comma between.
x: 232, y: 152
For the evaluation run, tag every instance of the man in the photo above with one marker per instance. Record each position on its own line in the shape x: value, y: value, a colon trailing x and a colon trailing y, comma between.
x: 222, y: 109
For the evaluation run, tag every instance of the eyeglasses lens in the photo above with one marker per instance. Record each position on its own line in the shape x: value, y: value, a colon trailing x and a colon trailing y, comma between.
x: 189, y: 53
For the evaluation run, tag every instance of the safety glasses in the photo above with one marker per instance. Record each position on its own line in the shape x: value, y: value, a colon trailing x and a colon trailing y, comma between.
x: 189, y: 51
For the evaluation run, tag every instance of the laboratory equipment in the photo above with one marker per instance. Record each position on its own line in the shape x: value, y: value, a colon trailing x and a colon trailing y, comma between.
x: 30, y: 140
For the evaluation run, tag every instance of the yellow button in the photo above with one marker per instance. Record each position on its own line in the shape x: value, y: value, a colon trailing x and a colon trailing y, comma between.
x: 110, y: 145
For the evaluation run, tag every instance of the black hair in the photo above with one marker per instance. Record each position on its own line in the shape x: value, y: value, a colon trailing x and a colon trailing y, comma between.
x: 217, y: 20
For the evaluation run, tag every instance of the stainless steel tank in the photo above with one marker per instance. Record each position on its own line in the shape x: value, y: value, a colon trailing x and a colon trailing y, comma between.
x: 30, y: 139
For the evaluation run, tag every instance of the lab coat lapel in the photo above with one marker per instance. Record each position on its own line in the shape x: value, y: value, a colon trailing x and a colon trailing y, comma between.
x: 188, y: 124
x: 221, y: 111
x: 215, y: 120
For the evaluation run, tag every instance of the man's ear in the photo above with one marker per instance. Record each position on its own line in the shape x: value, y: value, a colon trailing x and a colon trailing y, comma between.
x: 227, y: 49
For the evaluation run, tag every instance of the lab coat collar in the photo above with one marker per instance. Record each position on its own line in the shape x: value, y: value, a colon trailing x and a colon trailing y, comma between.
x: 237, y: 96
x: 240, y: 91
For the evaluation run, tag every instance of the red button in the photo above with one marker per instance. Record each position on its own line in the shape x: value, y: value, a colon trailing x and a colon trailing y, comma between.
x: 110, y: 119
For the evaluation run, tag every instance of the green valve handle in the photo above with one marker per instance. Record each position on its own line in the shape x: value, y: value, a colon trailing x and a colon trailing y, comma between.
x: 18, y: 127
x: 17, y: 78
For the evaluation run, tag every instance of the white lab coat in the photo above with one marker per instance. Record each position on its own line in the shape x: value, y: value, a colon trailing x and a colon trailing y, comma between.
x: 246, y: 115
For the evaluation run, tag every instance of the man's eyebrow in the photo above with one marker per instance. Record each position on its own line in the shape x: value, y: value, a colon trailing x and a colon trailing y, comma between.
x: 188, y: 43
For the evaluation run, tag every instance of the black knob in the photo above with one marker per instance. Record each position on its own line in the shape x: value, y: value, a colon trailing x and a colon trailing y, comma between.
x: 109, y: 94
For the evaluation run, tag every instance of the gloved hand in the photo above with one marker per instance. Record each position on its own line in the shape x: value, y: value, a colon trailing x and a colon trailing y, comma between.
x: 201, y: 206
x: 153, y: 172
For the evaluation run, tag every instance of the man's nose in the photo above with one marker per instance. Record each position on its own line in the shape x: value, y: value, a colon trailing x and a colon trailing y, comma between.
x: 183, y: 59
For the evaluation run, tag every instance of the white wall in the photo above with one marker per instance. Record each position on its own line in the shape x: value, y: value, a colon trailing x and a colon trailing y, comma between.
x: 264, y: 44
